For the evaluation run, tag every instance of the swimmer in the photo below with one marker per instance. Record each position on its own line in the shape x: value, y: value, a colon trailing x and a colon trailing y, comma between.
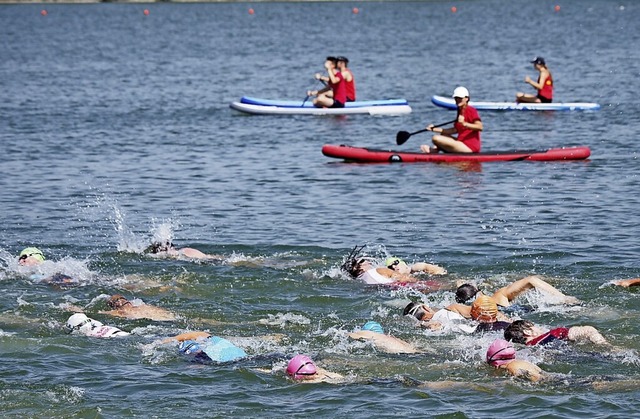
x: 125, y: 308
x: 302, y: 368
x: 363, y: 268
x: 31, y: 256
x: 452, y: 317
x: 484, y: 310
x: 82, y: 324
x: 502, y: 355
x: 373, y: 332
x: 211, y: 348
x: 505, y: 295
x: 527, y: 333
x: 169, y: 250
x: 398, y: 265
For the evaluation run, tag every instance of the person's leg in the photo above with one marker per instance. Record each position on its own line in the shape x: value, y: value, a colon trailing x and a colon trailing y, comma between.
x: 526, y: 98
x: 450, y: 144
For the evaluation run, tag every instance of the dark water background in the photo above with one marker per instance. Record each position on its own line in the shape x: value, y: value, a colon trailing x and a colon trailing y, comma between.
x: 115, y: 129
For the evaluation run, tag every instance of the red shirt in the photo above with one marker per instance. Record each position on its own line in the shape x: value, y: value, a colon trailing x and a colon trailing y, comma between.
x: 547, y: 88
x: 351, y: 88
x: 339, y: 89
x: 470, y: 137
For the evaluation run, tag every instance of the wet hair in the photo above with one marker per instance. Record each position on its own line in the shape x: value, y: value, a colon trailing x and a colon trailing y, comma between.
x: 466, y: 292
x: 415, y: 310
x: 515, y: 332
x: 117, y: 301
x: 157, y: 247
x: 353, y: 262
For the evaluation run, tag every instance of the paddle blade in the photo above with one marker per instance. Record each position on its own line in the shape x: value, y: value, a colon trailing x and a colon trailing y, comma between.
x: 402, y: 137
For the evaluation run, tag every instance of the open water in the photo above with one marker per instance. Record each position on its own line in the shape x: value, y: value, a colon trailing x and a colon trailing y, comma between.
x: 115, y: 130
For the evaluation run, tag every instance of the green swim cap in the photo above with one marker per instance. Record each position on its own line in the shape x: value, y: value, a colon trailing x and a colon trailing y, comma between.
x: 33, y: 251
x: 393, y: 262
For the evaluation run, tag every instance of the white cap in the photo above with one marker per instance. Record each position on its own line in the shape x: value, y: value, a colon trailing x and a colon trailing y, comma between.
x: 461, y: 92
x: 76, y: 321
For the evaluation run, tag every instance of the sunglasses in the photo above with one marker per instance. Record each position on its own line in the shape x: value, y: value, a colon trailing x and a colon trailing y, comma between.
x: 395, y: 263
x: 25, y: 256
x: 118, y: 303
x: 303, y: 373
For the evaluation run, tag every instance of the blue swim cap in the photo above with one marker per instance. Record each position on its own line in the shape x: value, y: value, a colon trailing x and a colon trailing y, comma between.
x: 221, y: 350
x: 373, y: 327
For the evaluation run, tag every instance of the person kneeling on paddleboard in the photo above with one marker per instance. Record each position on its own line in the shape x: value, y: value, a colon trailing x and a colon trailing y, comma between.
x: 468, y: 126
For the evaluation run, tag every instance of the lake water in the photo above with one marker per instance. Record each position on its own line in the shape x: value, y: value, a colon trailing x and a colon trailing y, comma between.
x: 115, y: 129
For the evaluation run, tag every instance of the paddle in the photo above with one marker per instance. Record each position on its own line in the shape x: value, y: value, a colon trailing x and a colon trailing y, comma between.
x: 403, y: 136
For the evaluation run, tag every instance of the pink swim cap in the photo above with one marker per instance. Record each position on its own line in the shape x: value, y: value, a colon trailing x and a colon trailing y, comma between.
x: 301, y: 365
x: 500, y: 352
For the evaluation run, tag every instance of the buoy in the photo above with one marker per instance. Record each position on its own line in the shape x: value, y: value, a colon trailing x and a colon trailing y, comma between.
x: 355, y: 11
x: 146, y: 12
x: 557, y: 8
x: 454, y: 9
x: 43, y: 12
x: 251, y: 11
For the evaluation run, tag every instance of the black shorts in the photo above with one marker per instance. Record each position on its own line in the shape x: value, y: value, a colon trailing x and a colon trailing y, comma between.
x: 337, y: 104
x: 544, y: 99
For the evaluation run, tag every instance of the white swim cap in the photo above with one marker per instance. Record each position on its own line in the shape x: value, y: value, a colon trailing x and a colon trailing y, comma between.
x: 76, y: 322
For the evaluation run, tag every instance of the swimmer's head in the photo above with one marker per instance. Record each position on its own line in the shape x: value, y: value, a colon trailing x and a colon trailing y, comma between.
x: 355, y: 265
x: 78, y: 321
x: 31, y: 256
x: 393, y: 262
x: 300, y: 367
x: 419, y: 311
x: 118, y: 301
x: 465, y: 292
x: 158, y: 247
x: 484, y: 309
x: 373, y: 327
x: 189, y: 347
x: 519, y: 331
x: 500, y: 353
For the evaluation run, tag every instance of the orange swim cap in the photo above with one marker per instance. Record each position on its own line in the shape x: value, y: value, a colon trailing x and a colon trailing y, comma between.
x: 484, y: 309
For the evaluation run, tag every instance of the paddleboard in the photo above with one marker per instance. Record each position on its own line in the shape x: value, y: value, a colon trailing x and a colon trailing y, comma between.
x: 368, y: 155
x: 450, y: 103
x: 258, y: 106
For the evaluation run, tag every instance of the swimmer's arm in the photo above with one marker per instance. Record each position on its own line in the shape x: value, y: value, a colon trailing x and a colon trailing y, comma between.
x: 524, y: 369
x: 586, y: 333
x: 187, y: 336
x: 461, y: 309
x: 431, y: 325
x: 397, y: 276
x: 428, y: 268
x: 115, y: 313
x: 627, y: 282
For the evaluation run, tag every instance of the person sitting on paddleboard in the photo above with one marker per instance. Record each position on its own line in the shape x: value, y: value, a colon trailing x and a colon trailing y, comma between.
x: 468, y: 126
x: 364, y: 268
x: 349, y: 80
x: 544, y: 85
x: 336, y: 86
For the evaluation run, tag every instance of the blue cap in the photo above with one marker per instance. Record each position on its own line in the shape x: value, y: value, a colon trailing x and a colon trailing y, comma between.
x: 189, y: 347
x: 373, y: 327
x: 221, y: 350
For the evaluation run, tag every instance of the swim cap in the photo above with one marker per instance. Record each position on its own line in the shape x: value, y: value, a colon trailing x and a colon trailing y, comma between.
x: 76, y: 322
x: 484, y: 309
x: 188, y: 347
x: 301, y: 365
x: 460, y: 92
x: 500, y: 353
x: 221, y: 350
x: 393, y: 262
x: 373, y: 327
x: 32, y: 251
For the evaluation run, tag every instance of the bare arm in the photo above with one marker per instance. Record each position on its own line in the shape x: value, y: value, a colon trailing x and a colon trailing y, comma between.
x: 187, y: 336
x: 586, y: 333
x: 627, y: 282
x: 505, y: 295
x: 461, y: 309
x: 428, y: 268
x: 524, y: 369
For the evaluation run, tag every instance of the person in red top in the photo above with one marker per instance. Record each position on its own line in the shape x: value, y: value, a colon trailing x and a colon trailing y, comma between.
x: 467, y: 126
x: 349, y: 80
x: 335, y: 85
x: 525, y: 332
x: 544, y: 85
